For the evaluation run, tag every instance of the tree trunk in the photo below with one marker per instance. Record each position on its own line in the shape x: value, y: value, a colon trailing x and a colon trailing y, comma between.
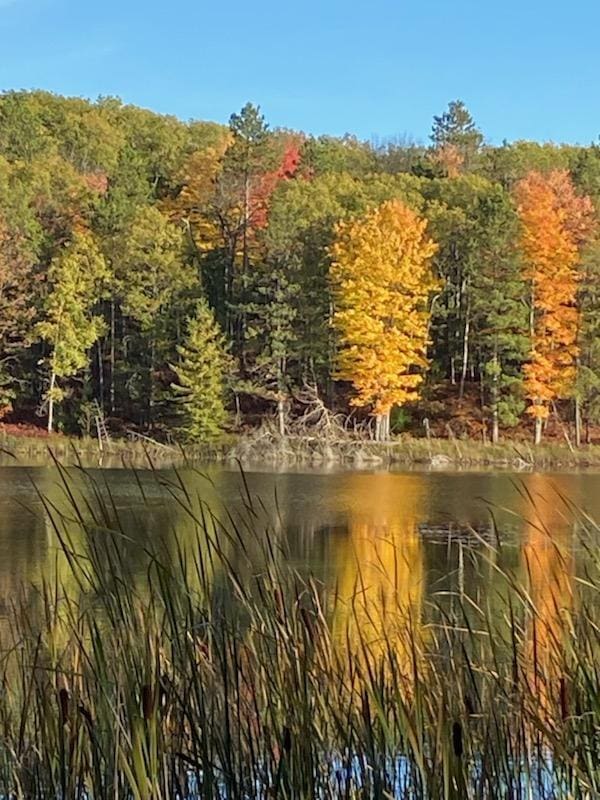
x: 494, y: 393
x: 241, y: 315
x: 112, y: 356
x: 588, y: 430
x: 151, y: 381
x: 577, y: 423
x: 230, y: 320
x: 100, y: 374
x: 281, y: 415
x: 538, y: 430
x: 495, y: 426
x: 532, y: 315
x: 51, y: 402
x: 494, y: 398
x: 495, y: 420
x: 382, y: 427
x: 465, y: 354
x: 281, y: 393
x: 562, y: 426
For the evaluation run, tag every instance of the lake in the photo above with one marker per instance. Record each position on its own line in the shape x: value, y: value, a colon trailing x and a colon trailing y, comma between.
x: 357, y: 633
x: 421, y: 535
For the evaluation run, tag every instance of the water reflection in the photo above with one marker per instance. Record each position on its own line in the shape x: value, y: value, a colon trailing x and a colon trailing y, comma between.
x: 380, y: 569
x: 374, y: 541
x: 548, y: 566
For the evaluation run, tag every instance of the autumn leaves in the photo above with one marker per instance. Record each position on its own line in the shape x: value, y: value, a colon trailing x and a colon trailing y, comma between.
x: 555, y: 225
x: 313, y: 255
x: 382, y: 280
x: 383, y: 283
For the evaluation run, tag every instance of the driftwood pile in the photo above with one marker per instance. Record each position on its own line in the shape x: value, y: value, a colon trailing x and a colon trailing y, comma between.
x: 314, y: 434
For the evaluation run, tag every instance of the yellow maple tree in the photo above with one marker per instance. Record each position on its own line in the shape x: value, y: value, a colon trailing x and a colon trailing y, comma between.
x: 555, y: 223
x: 194, y: 202
x: 382, y: 280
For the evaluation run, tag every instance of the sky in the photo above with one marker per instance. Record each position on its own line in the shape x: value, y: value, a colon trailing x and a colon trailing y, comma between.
x: 526, y: 69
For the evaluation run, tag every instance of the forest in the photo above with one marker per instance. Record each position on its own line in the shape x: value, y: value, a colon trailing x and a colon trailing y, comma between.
x: 189, y: 278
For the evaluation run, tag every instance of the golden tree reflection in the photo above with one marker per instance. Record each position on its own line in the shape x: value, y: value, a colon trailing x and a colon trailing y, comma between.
x: 381, y: 572
x: 548, y: 570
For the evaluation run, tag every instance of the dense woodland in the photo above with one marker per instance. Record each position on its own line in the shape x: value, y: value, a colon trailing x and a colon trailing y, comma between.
x: 193, y: 278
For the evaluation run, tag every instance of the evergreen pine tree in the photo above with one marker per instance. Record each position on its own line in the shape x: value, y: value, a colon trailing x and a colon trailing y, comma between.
x: 500, y: 313
x: 455, y: 134
x: 201, y: 372
x: 588, y: 374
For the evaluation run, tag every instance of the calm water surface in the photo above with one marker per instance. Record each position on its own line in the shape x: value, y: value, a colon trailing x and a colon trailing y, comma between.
x: 423, y: 534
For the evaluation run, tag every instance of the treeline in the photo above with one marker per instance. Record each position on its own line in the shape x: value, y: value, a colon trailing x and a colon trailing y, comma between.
x: 192, y: 276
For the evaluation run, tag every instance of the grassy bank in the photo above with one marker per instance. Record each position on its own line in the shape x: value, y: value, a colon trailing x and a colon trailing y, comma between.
x: 137, y: 452
x: 409, y: 451
x: 219, y: 671
x: 264, y: 446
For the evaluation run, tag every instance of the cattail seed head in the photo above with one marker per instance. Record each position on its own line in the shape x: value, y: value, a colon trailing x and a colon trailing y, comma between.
x: 147, y: 701
x: 287, y: 739
x: 63, y: 702
x: 457, y: 739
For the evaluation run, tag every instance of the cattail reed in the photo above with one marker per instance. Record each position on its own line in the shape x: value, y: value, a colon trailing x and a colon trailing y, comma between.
x: 457, y: 739
x: 63, y: 702
x: 286, y: 691
x: 287, y: 740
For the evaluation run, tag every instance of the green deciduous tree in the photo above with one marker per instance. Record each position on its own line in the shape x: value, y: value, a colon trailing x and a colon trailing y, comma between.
x: 588, y: 373
x: 330, y: 155
x: 77, y: 280
x: 17, y: 310
x: 452, y: 210
x: 155, y: 283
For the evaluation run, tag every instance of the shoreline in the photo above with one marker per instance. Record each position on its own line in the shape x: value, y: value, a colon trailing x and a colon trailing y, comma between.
x: 298, y: 451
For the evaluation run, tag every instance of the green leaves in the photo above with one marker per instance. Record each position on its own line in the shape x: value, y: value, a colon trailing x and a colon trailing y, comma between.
x: 78, y: 279
x: 244, y: 217
x: 202, y: 370
x: 150, y: 267
x: 455, y: 130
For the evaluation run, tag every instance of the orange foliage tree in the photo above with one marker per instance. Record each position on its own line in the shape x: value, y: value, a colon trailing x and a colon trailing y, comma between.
x: 260, y: 197
x: 382, y: 280
x: 555, y: 223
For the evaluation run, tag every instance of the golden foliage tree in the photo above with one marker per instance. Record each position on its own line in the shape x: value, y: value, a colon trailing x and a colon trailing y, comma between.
x: 555, y: 222
x: 195, y: 202
x: 382, y: 280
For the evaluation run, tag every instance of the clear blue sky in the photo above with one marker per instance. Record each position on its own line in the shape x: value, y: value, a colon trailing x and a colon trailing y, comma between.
x: 525, y: 68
